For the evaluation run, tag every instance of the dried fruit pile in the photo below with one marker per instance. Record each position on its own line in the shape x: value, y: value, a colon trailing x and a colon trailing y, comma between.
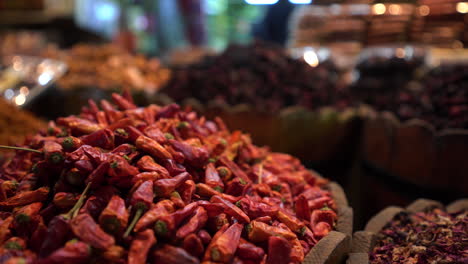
x: 434, y: 236
x: 261, y: 75
x: 156, y: 185
x: 108, y: 67
x: 438, y: 97
x: 16, y: 124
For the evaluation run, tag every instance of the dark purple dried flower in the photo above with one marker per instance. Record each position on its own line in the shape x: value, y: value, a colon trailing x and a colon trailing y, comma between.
x: 429, y: 237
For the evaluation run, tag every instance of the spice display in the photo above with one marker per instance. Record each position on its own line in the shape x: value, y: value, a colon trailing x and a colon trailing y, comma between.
x: 16, y: 124
x: 261, y: 75
x: 438, y: 96
x: 381, y: 78
x: 108, y: 67
x: 121, y: 184
x: 434, y: 236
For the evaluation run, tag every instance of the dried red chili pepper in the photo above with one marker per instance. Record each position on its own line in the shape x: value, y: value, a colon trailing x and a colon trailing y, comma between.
x: 97, y: 202
x: 65, y: 200
x: 123, y: 103
x: 84, y: 166
x: 158, y: 210
x: 146, y: 163
x: 236, y: 171
x: 140, y: 246
x: 204, y: 236
x: 70, y: 143
x: 279, y: 250
x: 141, y: 200
x: 74, y: 252
x: 186, y: 190
x: 15, y: 243
x: 114, y: 218
x: 96, y: 178
x: 53, y: 152
x: 290, y: 221
x: 114, y: 254
x: 206, y: 191
x: 257, y: 209
x: 194, y: 224
x: 174, y: 255
x: 259, y: 232
x: 302, y: 207
x: 231, y: 209
x: 212, y: 178
x: 168, y: 223
x: 247, y: 250
x: 84, y: 227
x: 322, y: 222
x: 193, y: 245
x: 103, y: 138
x: 164, y: 187
x: 224, y: 172
x: 222, y: 248
x: 79, y: 125
x: 58, y: 232
x: 152, y: 147
x: 195, y: 156
x: 25, y: 198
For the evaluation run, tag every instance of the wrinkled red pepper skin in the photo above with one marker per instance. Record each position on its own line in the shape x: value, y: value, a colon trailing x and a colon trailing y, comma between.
x: 195, y: 156
x: 279, y: 251
x: 140, y: 247
x: 172, y: 221
x: 247, y: 250
x: 164, y: 187
x: 143, y: 194
x: 158, y: 210
x: 72, y: 253
x: 193, y: 245
x: 231, y: 209
x: 170, y: 254
x: 27, y: 197
x: 222, y: 248
x: 103, y: 138
x: 204, y: 236
x: 195, y: 223
x: 84, y: 227
x: 58, y: 232
x: 235, y: 169
x: 146, y: 163
x: 96, y: 178
x: 114, y: 218
x: 122, y: 102
x: 152, y: 147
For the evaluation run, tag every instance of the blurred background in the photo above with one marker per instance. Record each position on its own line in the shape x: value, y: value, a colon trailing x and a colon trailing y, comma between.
x: 371, y: 93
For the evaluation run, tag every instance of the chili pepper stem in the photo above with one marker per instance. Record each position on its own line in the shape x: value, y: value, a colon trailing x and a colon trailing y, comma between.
x: 137, y: 216
x: 20, y: 148
x: 74, y: 211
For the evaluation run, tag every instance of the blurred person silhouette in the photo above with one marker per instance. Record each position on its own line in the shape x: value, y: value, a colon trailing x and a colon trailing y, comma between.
x: 274, y: 25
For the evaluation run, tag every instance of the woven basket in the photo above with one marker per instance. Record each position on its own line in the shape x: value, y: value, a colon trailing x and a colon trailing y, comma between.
x: 364, y: 241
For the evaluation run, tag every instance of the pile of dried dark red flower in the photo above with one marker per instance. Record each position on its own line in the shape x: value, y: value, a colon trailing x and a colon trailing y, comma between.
x: 426, y: 237
x: 122, y: 184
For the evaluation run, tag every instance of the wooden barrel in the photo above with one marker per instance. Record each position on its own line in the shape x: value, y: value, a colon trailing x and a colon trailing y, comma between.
x: 364, y: 241
x: 402, y: 161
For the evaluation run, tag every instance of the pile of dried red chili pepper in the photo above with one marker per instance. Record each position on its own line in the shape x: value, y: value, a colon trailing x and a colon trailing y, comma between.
x: 122, y: 184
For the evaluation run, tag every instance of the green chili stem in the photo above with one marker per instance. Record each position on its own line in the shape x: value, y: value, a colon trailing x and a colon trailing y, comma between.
x: 74, y: 211
x: 137, y: 216
x: 20, y: 148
